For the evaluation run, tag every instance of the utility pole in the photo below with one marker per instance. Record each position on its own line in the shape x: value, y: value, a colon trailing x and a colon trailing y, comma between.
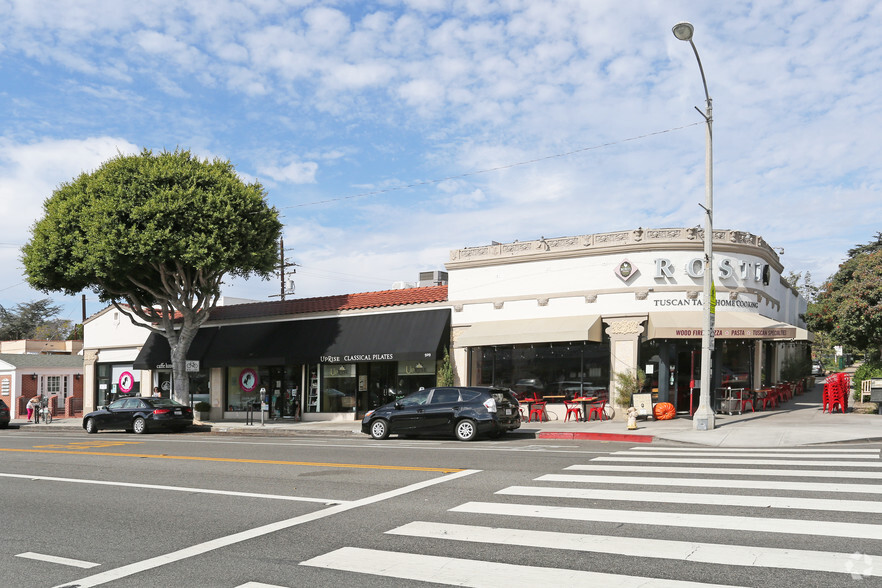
x: 284, y: 290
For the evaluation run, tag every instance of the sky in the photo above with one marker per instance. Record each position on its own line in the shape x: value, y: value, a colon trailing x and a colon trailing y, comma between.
x: 389, y: 133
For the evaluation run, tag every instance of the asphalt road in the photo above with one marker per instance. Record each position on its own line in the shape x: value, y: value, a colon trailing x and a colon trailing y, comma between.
x: 198, y: 510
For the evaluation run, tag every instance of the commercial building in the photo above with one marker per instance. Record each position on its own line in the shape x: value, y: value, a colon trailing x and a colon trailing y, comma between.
x: 551, y: 316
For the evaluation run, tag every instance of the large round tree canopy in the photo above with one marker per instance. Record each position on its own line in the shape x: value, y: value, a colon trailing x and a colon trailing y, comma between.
x: 152, y: 227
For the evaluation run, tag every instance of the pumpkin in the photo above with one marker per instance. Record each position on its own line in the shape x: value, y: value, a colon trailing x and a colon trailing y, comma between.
x: 663, y: 411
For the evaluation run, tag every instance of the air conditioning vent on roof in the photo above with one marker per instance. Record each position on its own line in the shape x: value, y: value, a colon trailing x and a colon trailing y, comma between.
x: 434, y: 278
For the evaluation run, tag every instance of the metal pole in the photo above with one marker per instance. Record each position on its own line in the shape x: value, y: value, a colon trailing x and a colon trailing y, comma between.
x: 703, y: 419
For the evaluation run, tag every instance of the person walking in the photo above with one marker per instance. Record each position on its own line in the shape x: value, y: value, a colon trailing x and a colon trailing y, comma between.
x: 33, y: 407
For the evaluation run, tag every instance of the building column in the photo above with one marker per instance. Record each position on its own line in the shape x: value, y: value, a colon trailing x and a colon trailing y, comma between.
x: 757, y: 375
x: 90, y: 358
x: 624, y: 339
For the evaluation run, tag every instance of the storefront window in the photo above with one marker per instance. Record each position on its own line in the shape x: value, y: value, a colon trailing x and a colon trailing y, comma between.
x: 339, y: 387
x: 115, y: 380
x: 736, y: 363
x: 555, y: 371
x: 413, y: 376
x: 243, y: 388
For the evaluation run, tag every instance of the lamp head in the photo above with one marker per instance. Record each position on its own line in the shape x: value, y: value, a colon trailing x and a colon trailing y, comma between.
x: 683, y: 30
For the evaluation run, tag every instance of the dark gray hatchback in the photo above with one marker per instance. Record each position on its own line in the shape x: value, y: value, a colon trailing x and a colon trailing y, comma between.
x: 463, y: 411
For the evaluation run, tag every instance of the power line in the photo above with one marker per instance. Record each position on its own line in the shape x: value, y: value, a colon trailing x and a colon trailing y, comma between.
x: 488, y: 170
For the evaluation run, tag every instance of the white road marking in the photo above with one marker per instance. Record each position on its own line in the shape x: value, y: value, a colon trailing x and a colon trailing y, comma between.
x: 474, y: 573
x: 715, y: 483
x: 747, y: 453
x: 258, y: 585
x: 788, y: 502
x: 671, y: 519
x: 727, y: 461
x: 199, y: 549
x: 713, y: 553
x: 65, y: 561
x: 177, y: 489
x: 877, y: 452
x: 730, y: 471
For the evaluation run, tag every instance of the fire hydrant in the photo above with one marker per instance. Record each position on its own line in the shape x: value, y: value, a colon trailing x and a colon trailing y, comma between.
x: 632, y: 419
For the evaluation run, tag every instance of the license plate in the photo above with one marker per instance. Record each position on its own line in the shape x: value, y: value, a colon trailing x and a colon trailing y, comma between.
x: 178, y: 411
x: 508, y: 411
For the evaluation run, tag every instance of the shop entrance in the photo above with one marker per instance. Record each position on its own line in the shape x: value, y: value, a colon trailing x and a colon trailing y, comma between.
x: 380, y: 388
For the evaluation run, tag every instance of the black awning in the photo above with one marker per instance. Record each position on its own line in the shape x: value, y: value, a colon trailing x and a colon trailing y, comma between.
x: 402, y: 336
x: 155, y: 353
x: 398, y: 336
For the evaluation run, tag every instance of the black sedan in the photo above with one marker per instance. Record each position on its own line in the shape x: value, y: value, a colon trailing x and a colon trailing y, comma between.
x: 462, y: 411
x: 139, y: 414
x: 4, y: 415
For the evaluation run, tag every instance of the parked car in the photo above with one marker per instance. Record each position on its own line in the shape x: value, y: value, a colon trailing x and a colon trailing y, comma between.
x: 817, y: 368
x: 465, y: 411
x: 140, y: 414
x: 4, y: 415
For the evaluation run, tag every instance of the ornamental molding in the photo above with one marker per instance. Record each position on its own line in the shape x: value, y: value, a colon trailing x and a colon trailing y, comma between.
x: 619, y: 242
x: 624, y: 326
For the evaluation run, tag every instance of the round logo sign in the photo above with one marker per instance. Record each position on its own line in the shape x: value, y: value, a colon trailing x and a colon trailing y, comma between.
x: 126, y: 382
x: 248, y: 380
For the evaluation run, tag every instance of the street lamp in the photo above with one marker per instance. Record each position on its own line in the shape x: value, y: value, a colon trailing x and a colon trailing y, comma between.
x: 703, y: 419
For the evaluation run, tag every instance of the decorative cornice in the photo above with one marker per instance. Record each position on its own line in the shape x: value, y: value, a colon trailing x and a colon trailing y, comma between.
x: 639, y: 239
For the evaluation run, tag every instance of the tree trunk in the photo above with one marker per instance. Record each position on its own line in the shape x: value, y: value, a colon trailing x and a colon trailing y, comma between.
x: 179, y: 348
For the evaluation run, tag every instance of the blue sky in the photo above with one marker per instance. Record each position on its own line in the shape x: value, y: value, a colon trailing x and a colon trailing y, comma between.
x: 366, y: 121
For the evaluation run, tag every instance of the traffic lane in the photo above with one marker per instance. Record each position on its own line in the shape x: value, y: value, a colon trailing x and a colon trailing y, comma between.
x: 191, y: 565
x: 213, y: 467
x: 111, y: 525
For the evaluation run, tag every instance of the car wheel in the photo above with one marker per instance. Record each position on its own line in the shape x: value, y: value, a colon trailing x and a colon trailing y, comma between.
x: 91, y: 426
x: 139, y: 426
x: 380, y: 429
x: 466, y: 430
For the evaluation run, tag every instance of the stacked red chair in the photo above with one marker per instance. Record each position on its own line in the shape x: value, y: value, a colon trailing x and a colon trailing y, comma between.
x: 836, y: 390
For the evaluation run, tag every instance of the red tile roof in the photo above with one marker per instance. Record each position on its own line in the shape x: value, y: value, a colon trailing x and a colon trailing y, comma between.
x: 361, y: 300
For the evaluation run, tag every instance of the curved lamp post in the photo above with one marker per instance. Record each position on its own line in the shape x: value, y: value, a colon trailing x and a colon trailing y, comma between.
x: 703, y: 419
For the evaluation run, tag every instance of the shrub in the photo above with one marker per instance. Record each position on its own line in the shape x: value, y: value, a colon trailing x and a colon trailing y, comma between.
x: 628, y: 384
x: 870, y: 369
x: 202, y: 406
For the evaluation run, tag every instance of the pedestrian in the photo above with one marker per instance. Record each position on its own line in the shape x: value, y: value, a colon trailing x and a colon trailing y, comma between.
x: 156, y: 392
x: 33, y: 407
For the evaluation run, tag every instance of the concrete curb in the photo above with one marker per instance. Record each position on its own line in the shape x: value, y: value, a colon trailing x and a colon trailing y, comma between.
x: 597, y: 436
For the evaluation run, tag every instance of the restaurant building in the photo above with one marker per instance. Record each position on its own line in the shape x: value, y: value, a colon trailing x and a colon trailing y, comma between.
x: 552, y: 316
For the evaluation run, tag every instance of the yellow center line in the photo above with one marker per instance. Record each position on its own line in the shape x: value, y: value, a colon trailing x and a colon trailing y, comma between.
x: 233, y: 460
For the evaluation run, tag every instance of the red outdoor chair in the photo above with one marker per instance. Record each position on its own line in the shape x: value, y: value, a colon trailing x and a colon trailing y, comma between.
x: 538, y: 410
x: 573, y: 408
x: 596, y: 410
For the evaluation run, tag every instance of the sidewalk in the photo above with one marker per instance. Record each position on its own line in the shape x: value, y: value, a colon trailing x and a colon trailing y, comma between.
x: 795, y: 423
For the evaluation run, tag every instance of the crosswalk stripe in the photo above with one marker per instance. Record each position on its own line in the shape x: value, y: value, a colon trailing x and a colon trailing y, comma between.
x: 728, y: 471
x: 749, y: 453
x: 701, y: 521
x: 727, y: 461
x: 712, y: 553
x: 476, y: 573
x: 65, y: 561
x: 876, y: 452
x: 715, y: 483
x: 787, y: 502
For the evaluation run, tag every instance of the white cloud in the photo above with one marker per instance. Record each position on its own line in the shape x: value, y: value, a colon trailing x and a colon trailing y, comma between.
x: 296, y: 172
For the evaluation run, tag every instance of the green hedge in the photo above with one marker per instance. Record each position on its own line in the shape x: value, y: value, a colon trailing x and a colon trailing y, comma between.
x: 870, y: 369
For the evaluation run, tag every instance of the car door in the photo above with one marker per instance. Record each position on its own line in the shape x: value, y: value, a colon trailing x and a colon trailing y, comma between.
x: 440, y: 411
x: 408, y: 412
x: 114, y: 415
